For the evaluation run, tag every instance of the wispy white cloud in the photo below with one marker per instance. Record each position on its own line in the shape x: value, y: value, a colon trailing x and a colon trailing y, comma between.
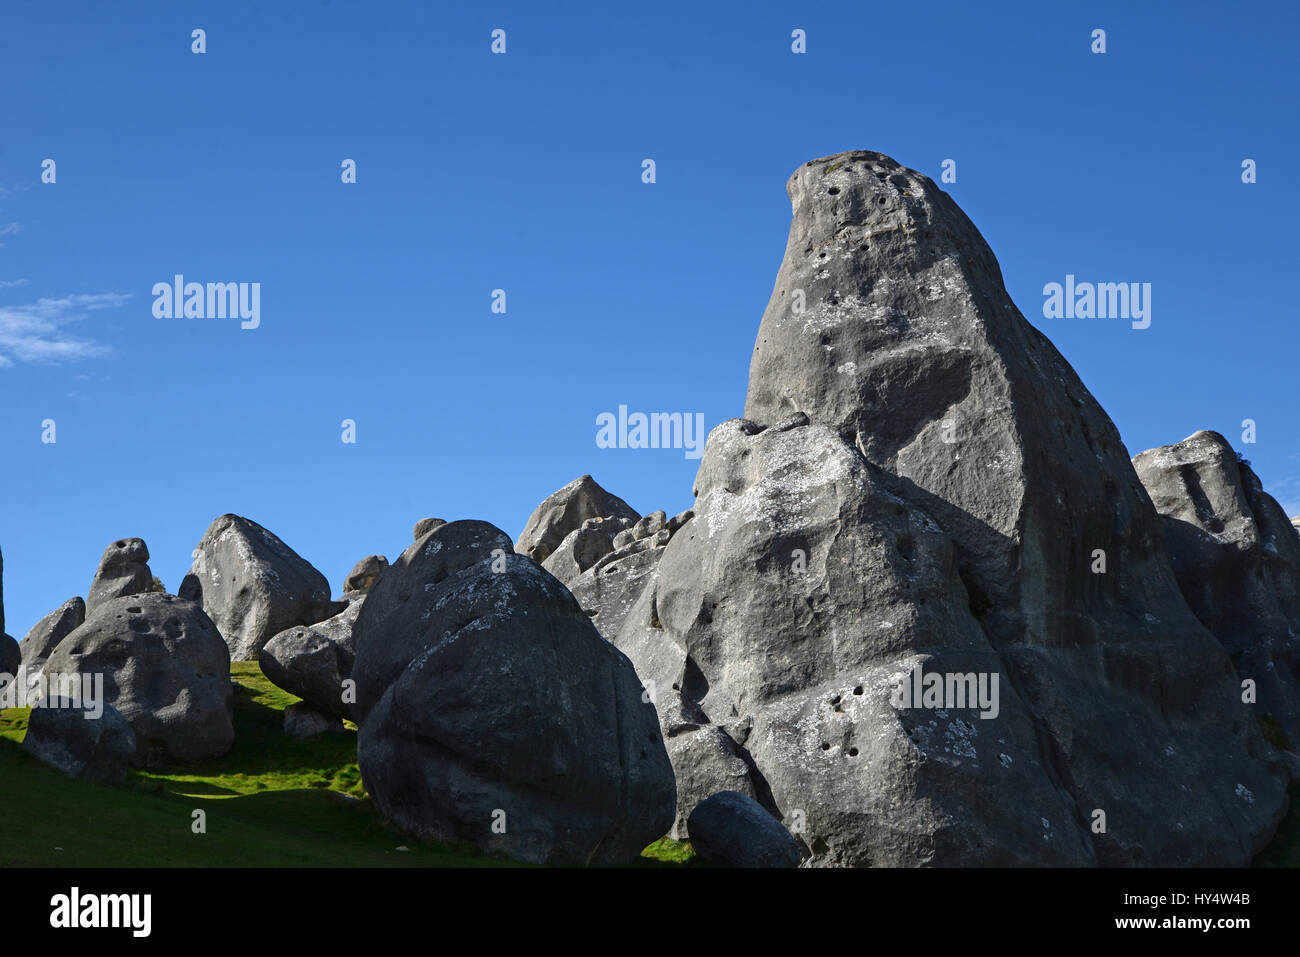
x: 12, y: 283
x: 40, y: 331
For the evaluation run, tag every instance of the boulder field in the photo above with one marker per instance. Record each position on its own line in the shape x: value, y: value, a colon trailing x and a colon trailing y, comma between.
x: 925, y: 610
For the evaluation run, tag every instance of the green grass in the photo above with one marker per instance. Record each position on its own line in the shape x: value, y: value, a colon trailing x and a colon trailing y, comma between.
x: 271, y: 802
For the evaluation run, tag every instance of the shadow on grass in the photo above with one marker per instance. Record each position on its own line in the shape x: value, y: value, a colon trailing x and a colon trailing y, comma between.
x: 272, y: 801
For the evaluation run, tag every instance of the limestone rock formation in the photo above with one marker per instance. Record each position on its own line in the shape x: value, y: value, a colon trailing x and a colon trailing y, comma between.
x: 734, y: 830
x: 253, y: 585
x: 565, y: 511
x: 425, y: 525
x: 75, y: 740
x: 949, y: 494
x: 365, y: 573
x: 123, y: 570
x: 313, y: 661
x: 165, y: 668
x: 486, y: 697
x: 1237, y: 562
x: 48, y: 632
x: 605, y: 572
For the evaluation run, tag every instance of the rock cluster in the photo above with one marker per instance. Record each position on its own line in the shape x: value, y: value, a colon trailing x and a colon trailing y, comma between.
x: 924, y: 610
x: 566, y: 511
x: 893, y: 501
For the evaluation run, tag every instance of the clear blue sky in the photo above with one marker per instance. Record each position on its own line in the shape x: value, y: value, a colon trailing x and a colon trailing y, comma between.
x: 523, y: 172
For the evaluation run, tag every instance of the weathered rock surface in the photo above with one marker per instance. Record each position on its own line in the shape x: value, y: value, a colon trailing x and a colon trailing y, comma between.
x: 253, y: 585
x: 486, y: 697
x: 303, y: 721
x: 607, y: 573
x: 313, y: 661
x: 779, y: 621
x: 734, y: 830
x: 1237, y: 562
x: 48, y: 632
x: 10, y: 656
x: 72, y: 739
x: 425, y: 525
x: 565, y: 511
x: 165, y: 668
x: 949, y: 500
x: 365, y: 573
x: 123, y: 570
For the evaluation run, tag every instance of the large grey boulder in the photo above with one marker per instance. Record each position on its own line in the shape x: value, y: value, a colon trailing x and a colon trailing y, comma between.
x: 951, y: 496
x: 1237, y: 562
x: 165, y: 667
x: 493, y: 713
x: 734, y: 830
x: 565, y: 511
x: 48, y: 632
x: 314, y: 661
x: 71, y: 737
x: 123, y: 570
x: 395, y: 609
x: 253, y: 585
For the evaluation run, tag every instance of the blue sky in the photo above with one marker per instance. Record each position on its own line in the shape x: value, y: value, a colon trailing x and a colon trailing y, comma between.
x: 523, y: 172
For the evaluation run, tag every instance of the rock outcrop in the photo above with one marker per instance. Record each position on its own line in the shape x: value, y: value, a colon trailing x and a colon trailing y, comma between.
x: 1237, y: 562
x: 164, y: 667
x: 607, y: 569
x: 951, y: 493
x: 565, y: 511
x: 123, y: 570
x: 48, y: 632
x: 253, y: 585
x: 75, y: 740
x: 365, y: 573
x: 493, y: 713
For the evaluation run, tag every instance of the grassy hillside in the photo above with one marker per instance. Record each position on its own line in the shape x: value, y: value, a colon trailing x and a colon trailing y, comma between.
x: 271, y: 802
